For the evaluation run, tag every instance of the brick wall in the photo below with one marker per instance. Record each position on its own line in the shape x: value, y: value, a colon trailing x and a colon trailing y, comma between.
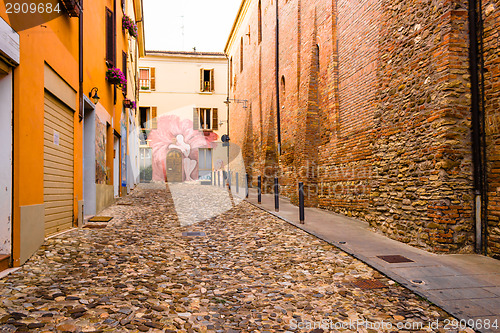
x: 379, y: 128
x: 491, y: 17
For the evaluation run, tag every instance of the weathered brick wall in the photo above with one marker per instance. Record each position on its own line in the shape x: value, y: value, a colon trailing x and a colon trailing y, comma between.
x: 376, y: 124
x: 491, y: 16
x: 422, y: 193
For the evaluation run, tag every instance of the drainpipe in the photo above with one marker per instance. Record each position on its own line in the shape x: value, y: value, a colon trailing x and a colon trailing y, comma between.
x: 80, y: 60
x: 278, y: 80
x: 477, y: 157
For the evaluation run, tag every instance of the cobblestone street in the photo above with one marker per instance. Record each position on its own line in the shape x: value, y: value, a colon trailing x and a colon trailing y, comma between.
x: 251, y: 273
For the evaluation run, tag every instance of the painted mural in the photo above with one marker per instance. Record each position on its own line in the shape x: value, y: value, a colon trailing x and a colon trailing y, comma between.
x: 100, y: 151
x: 174, y: 133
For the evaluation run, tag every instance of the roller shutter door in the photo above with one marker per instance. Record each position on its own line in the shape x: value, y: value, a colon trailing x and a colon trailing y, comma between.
x: 58, y: 153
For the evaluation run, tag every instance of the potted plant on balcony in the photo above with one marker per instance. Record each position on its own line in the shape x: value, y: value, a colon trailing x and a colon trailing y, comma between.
x: 115, y: 76
x: 128, y: 24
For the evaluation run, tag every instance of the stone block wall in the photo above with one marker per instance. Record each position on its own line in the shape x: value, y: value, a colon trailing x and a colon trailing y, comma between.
x: 491, y: 17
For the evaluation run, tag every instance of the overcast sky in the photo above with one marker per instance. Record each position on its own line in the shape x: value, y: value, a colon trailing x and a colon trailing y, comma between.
x: 207, y: 24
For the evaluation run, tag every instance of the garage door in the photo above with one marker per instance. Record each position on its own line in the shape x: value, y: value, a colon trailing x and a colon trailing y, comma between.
x: 57, y: 166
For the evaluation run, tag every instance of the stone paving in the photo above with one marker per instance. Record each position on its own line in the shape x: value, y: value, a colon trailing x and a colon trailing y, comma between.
x: 251, y: 273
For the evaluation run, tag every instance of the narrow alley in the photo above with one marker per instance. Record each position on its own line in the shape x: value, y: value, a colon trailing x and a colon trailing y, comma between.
x: 251, y: 272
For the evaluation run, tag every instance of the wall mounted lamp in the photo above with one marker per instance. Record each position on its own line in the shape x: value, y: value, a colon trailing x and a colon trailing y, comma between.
x: 95, y: 97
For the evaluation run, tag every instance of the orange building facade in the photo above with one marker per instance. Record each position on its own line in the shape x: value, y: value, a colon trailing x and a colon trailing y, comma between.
x: 47, y: 82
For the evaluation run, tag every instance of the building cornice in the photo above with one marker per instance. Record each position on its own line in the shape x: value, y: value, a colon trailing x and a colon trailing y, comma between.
x: 242, y: 11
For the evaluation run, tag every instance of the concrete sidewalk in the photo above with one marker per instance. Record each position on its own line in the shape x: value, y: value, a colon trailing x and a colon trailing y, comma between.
x: 465, y: 285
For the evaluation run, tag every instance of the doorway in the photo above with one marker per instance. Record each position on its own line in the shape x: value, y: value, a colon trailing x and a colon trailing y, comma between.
x: 116, y: 167
x: 5, y: 163
x: 174, y: 166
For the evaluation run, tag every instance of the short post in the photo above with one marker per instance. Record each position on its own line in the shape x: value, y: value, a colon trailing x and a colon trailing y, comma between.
x: 247, y: 185
x: 259, y: 189
x: 229, y: 179
x: 237, y: 183
x: 301, y: 203
x: 218, y: 178
x: 276, y: 195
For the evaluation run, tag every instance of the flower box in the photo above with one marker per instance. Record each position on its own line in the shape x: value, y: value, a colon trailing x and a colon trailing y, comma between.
x: 115, y: 76
x: 128, y: 24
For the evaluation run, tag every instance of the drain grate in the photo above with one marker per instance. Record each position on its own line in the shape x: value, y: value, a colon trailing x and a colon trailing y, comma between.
x: 194, y: 234
x: 369, y: 284
x: 395, y: 259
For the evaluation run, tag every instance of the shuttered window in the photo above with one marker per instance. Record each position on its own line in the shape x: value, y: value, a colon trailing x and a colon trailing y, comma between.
x: 205, y: 119
x: 124, y: 65
x: 110, y: 37
x: 152, y: 72
x: 207, y: 80
x: 154, y: 123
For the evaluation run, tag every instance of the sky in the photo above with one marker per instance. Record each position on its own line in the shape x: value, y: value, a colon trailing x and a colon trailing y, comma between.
x: 207, y: 24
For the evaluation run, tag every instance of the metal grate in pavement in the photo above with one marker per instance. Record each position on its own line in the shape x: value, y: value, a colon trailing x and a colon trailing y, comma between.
x: 194, y: 234
x: 369, y: 284
x: 395, y: 259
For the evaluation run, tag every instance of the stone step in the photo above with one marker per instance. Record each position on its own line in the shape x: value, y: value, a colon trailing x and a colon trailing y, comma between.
x: 4, y: 261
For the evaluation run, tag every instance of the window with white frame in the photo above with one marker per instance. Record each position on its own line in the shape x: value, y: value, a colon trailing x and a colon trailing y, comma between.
x: 147, y: 78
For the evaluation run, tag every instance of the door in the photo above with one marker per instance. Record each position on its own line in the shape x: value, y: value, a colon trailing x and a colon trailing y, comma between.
x: 205, y: 166
x: 174, y: 166
x: 5, y: 162
x: 116, y: 167
x: 58, y: 158
x: 146, y: 165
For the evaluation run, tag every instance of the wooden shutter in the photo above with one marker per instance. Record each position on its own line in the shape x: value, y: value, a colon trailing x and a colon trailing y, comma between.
x: 196, y: 118
x: 154, y: 114
x: 152, y: 73
x: 212, y: 86
x: 215, y: 119
x: 201, y: 80
x: 124, y: 65
x: 110, y: 36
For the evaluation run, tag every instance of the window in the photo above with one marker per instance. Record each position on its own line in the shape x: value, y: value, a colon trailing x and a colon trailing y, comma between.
x: 147, y: 122
x: 205, y: 164
x: 147, y: 79
x: 110, y: 37
x: 207, y: 80
x: 205, y: 119
x: 259, y: 33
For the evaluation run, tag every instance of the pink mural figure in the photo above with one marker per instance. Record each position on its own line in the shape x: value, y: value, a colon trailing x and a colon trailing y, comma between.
x: 174, y: 133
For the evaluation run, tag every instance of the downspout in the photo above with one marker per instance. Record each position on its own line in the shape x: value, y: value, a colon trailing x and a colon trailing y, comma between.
x: 278, y: 121
x: 227, y: 119
x: 476, y: 125
x: 80, y: 60
x: 483, y: 132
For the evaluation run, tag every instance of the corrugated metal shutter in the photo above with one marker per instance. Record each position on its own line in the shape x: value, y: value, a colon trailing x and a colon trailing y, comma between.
x: 58, y: 177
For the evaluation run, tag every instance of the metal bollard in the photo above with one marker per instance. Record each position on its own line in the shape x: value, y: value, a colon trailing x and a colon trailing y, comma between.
x: 218, y: 178
x: 246, y: 185
x: 237, y: 183
x: 301, y: 203
x: 276, y: 195
x: 259, y: 190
